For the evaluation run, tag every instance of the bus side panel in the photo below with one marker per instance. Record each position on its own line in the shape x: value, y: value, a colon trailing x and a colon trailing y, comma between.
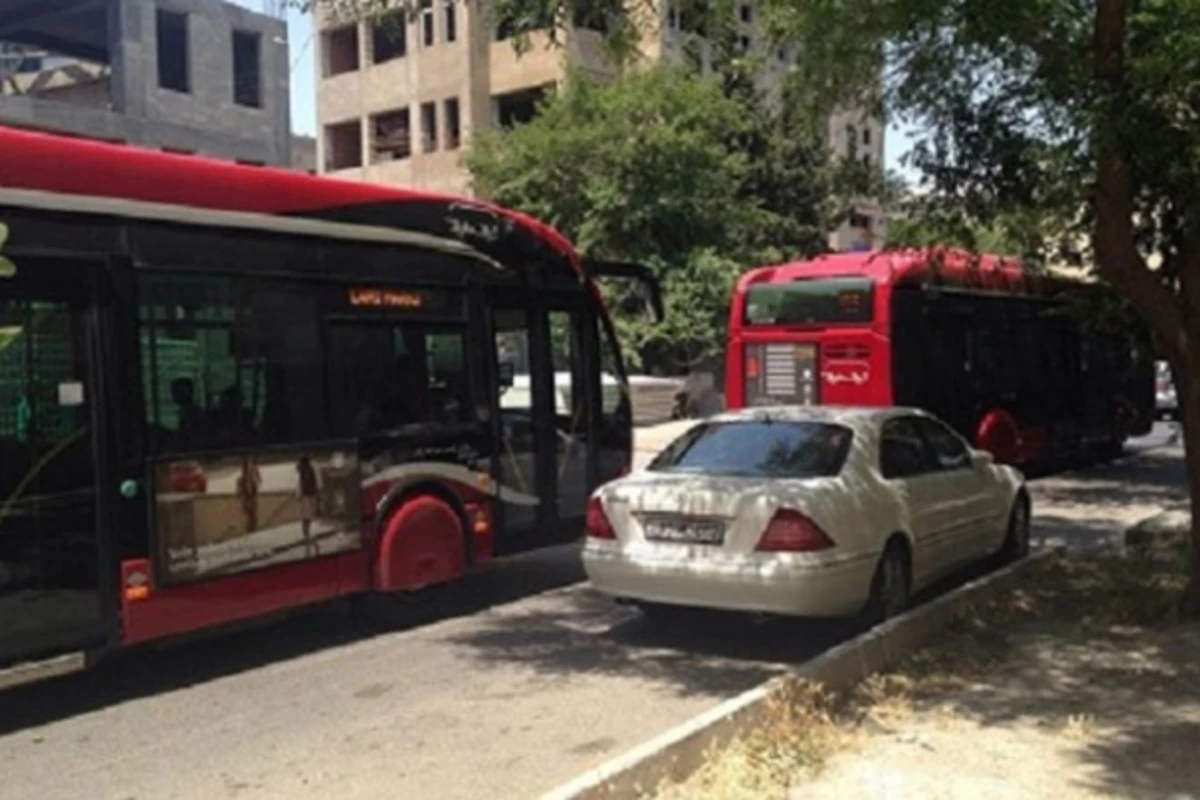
x: 191, y: 607
x: 922, y: 365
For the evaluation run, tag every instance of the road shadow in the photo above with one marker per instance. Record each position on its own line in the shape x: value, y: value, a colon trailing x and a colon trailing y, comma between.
x: 1156, y: 477
x: 698, y: 653
x: 1055, y: 530
x: 149, y: 670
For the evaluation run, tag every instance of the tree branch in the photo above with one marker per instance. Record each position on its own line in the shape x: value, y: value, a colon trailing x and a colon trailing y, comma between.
x: 1117, y: 255
x: 1186, y: 265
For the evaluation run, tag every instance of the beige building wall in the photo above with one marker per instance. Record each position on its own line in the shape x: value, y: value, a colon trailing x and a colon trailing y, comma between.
x: 480, y: 73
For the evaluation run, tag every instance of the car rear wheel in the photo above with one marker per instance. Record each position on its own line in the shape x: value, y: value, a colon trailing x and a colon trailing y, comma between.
x: 1016, y: 543
x: 891, y: 587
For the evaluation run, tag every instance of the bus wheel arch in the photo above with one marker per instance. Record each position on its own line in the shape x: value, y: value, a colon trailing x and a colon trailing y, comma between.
x: 997, y: 433
x: 423, y: 539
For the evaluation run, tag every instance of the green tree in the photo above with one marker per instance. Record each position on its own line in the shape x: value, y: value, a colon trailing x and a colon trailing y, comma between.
x: 1016, y: 235
x: 1079, y: 114
x: 670, y: 169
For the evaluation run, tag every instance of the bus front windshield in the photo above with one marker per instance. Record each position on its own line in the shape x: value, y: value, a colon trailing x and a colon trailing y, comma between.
x: 810, y: 301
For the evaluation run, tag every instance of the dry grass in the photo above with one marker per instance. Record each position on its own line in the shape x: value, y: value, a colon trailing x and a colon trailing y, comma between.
x: 1079, y: 727
x: 800, y: 732
x: 805, y: 725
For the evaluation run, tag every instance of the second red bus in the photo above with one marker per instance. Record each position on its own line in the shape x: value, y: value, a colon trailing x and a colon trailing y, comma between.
x: 1026, y: 366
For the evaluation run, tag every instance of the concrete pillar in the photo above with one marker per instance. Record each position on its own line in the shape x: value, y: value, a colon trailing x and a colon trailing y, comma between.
x: 129, y: 50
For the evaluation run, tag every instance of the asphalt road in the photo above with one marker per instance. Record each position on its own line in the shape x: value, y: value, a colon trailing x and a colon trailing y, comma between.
x: 500, y: 690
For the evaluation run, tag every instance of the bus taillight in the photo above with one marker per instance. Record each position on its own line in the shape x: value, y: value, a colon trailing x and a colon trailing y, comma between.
x: 136, y: 580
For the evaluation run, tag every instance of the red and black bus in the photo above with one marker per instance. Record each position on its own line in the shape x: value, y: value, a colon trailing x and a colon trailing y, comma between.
x: 227, y: 391
x: 1027, y: 366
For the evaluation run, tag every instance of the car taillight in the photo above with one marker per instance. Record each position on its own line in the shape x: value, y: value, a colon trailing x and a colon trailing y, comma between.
x: 793, y: 532
x: 598, y: 526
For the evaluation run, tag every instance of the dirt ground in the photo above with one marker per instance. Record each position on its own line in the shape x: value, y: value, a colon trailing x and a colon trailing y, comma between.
x: 1068, y: 714
x: 1078, y: 685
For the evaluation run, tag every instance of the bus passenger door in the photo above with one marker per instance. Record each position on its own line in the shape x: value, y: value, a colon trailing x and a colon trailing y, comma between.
x: 573, y: 411
x: 51, y: 592
x: 525, y: 463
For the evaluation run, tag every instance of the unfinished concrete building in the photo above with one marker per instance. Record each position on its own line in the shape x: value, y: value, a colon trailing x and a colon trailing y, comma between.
x: 189, y: 76
x: 398, y: 98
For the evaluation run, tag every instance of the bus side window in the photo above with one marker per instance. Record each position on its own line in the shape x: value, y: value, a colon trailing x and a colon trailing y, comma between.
x: 384, y: 375
x: 229, y: 363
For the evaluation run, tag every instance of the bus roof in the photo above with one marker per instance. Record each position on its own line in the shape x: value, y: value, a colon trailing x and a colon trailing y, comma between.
x: 70, y: 165
x: 943, y: 266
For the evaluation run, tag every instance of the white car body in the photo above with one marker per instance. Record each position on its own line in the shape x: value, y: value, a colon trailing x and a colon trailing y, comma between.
x: 947, y: 519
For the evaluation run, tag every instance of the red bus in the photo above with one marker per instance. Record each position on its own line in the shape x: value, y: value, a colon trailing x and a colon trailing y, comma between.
x: 227, y: 391
x: 1026, y: 366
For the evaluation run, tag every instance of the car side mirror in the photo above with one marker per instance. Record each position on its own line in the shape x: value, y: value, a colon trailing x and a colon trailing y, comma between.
x: 982, y: 458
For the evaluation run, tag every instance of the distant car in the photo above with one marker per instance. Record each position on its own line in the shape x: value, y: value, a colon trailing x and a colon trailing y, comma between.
x: 1166, y: 403
x: 811, y: 511
x: 187, y: 477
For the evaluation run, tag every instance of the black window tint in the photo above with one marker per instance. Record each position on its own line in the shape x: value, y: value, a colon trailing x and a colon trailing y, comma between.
x: 229, y: 363
x: 902, y: 452
x: 948, y: 448
x: 759, y: 449
x: 384, y: 375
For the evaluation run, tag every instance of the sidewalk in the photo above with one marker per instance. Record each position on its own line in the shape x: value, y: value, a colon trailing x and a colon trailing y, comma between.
x: 1079, y: 685
x: 1058, y: 702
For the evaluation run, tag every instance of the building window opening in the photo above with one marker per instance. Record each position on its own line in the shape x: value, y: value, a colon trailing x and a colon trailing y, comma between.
x: 247, y: 69
x: 517, y: 108
x: 428, y: 127
x: 171, y: 31
x: 391, y: 137
x: 427, y: 23
x: 389, y: 38
x: 343, y: 145
x: 597, y: 16
x: 694, y: 18
x: 452, y: 123
x: 451, y: 10
x: 341, y: 50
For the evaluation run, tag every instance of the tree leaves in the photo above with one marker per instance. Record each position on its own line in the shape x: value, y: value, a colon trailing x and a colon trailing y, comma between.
x: 697, y: 177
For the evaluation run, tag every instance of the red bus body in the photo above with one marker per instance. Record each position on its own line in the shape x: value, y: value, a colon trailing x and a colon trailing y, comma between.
x: 399, y: 549
x: 983, y: 310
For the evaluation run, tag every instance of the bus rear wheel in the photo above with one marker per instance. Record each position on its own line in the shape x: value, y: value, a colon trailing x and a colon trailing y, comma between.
x: 422, y: 544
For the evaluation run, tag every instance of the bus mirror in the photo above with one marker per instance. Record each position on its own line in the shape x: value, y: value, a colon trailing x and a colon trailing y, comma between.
x: 646, y: 291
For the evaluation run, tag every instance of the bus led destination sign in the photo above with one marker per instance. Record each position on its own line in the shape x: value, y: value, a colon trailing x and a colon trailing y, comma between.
x: 385, y: 298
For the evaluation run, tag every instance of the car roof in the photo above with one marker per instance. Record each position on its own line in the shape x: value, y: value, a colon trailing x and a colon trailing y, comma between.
x: 850, y: 416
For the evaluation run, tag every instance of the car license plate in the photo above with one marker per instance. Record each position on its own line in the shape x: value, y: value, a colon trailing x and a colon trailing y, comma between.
x: 684, y: 531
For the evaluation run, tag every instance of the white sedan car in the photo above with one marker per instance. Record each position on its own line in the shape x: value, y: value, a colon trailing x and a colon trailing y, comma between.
x: 811, y: 511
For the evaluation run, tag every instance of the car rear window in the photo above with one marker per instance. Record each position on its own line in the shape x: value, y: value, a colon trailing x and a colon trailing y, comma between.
x: 756, y: 448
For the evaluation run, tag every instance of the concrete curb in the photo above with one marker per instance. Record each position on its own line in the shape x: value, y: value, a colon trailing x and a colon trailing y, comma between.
x: 679, y: 752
